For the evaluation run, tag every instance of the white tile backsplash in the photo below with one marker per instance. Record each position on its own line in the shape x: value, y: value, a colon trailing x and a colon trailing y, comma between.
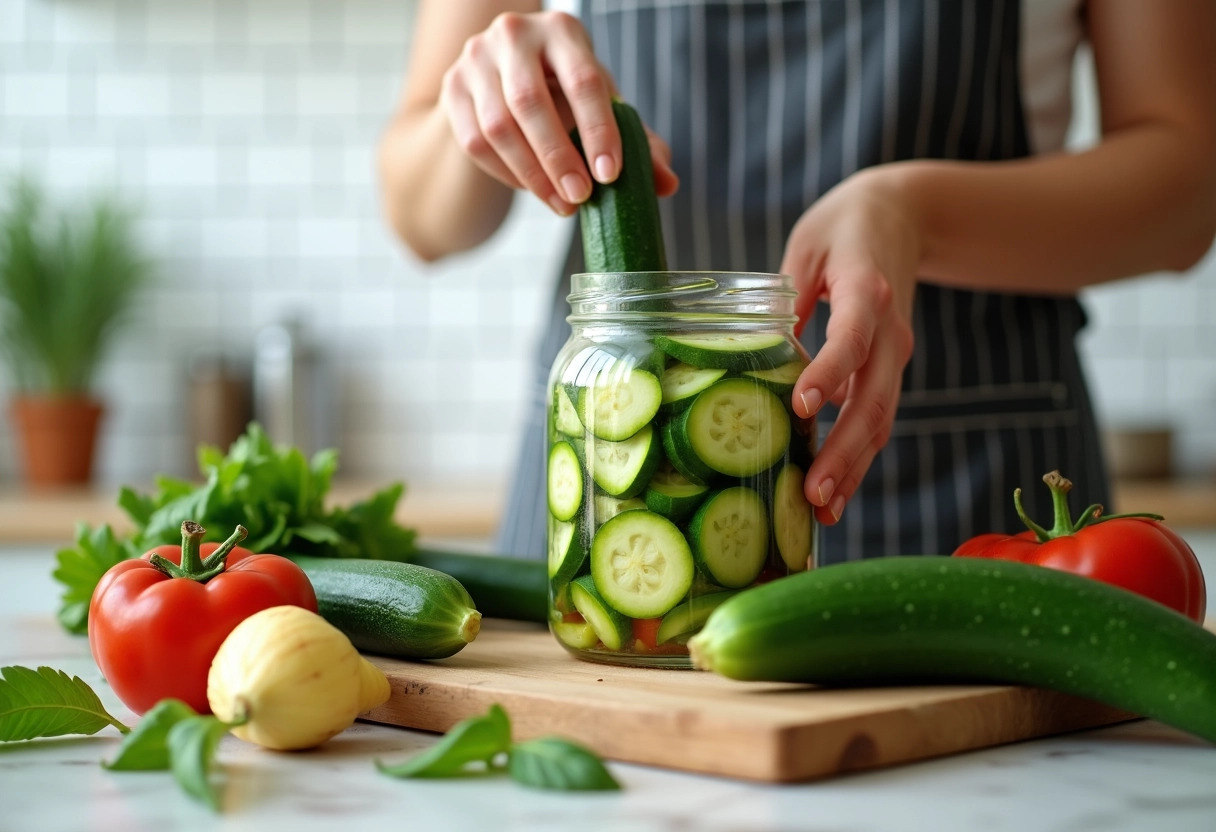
x: 245, y: 132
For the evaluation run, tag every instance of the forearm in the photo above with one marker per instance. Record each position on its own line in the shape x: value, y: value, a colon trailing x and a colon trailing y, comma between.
x: 1144, y: 200
x: 437, y: 201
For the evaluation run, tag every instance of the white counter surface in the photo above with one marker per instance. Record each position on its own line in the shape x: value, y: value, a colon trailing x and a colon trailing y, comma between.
x: 1136, y: 776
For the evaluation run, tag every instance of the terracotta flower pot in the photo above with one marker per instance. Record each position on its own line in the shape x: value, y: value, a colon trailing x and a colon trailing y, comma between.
x: 57, y: 435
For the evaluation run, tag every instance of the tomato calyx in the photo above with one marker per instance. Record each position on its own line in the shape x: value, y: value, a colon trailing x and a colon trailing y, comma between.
x: 193, y: 567
x: 1063, y: 524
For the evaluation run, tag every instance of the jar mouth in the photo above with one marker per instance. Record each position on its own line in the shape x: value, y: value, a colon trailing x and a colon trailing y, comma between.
x: 689, y: 296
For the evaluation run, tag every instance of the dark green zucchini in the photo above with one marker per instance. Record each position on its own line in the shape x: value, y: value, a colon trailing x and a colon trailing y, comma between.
x: 621, y: 228
x: 502, y: 587
x: 392, y: 608
x: 961, y: 620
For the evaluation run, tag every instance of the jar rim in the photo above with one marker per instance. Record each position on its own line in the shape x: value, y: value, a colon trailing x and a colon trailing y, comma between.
x: 702, y: 296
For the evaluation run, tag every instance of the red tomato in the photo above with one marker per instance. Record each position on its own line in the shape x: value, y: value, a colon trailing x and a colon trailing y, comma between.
x: 1136, y: 552
x: 154, y: 635
x: 646, y: 632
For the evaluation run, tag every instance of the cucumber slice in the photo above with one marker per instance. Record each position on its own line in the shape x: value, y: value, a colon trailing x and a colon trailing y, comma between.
x: 612, y: 628
x: 641, y: 564
x: 565, y: 481
x: 619, y: 403
x: 689, y: 617
x: 577, y: 634
x: 565, y: 553
x: 682, y: 382
x: 607, y: 507
x: 680, y: 454
x: 623, y: 468
x: 736, y: 427
x: 673, y: 495
x: 729, y: 536
x: 779, y: 379
x: 565, y: 417
x: 736, y: 351
x: 792, y: 519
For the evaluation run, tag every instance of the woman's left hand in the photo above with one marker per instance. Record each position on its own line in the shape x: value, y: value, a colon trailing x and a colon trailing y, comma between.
x: 857, y: 248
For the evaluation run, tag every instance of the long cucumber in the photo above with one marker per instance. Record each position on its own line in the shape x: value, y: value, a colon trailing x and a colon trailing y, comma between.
x: 948, y: 619
x: 501, y: 586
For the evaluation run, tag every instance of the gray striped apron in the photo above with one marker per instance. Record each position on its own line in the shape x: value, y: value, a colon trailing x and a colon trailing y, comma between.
x: 766, y: 106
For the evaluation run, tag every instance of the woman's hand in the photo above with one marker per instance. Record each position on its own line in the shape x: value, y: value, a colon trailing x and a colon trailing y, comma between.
x: 513, y: 96
x: 858, y: 248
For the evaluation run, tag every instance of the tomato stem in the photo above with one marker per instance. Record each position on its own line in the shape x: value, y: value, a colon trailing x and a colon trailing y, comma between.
x: 1041, y: 533
x: 193, y: 567
x: 220, y: 556
x: 1063, y: 522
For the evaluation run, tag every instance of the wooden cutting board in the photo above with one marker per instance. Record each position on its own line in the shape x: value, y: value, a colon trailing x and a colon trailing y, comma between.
x: 704, y: 723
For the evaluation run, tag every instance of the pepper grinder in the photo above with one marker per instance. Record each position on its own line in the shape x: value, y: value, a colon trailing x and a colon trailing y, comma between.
x: 291, y: 390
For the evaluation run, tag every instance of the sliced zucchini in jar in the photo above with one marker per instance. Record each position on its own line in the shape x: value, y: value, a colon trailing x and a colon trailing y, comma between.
x: 779, y: 379
x: 565, y: 481
x: 736, y: 427
x: 792, y: 519
x: 577, y: 634
x: 623, y: 468
x: 680, y: 455
x: 689, y: 617
x: 641, y: 564
x: 606, y: 507
x: 619, y: 403
x: 730, y: 351
x: 729, y: 536
x: 566, y: 554
x: 565, y: 417
x: 682, y: 382
x: 673, y: 495
x: 612, y: 628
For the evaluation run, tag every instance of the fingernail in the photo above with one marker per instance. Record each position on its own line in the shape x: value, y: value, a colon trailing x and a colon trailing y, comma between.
x: 605, y: 168
x: 825, y: 490
x: 558, y: 205
x: 575, y: 187
x: 811, y: 400
x: 837, y: 508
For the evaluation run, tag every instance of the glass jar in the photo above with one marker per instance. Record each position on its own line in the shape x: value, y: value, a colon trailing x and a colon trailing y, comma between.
x: 675, y: 460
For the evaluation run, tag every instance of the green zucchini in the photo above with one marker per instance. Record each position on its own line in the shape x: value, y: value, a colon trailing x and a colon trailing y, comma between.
x: 641, y: 564
x: 920, y: 619
x: 737, y: 351
x: 502, y: 587
x: 736, y: 427
x: 393, y: 608
x: 621, y: 227
x: 729, y: 536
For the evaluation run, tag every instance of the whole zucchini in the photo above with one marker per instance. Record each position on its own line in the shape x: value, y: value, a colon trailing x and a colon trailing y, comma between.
x: 392, y: 608
x: 502, y: 587
x: 621, y: 228
x: 961, y: 620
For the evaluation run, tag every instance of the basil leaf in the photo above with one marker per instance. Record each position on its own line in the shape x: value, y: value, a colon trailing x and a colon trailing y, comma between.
x: 478, y: 739
x: 556, y: 763
x: 192, y: 744
x: 147, y: 747
x: 48, y: 703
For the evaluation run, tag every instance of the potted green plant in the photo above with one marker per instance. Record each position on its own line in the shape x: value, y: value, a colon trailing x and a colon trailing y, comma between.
x: 67, y: 281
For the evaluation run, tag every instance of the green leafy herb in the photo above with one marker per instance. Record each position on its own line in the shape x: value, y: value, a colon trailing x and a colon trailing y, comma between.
x: 192, y: 744
x: 49, y: 703
x: 146, y: 748
x: 478, y: 739
x: 275, y: 492
x: 556, y: 763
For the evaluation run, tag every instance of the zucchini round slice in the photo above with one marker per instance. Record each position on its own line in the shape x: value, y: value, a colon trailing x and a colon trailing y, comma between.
x: 612, y: 628
x: 565, y: 553
x: 736, y: 427
x: 623, y: 468
x: 681, y: 456
x: 689, y: 617
x: 641, y: 564
x: 565, y: 417
x: 673, y: 495
x: 792, y: 519
x: 577, y: 634
x: 729, y: 535
x: 736, y: 351
x: 565, y: 481
x: 779, y: 379
x: 619, y: 403
x: 682, y: 382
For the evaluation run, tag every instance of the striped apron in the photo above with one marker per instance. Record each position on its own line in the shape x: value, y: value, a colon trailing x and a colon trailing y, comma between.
x: 766, y: 106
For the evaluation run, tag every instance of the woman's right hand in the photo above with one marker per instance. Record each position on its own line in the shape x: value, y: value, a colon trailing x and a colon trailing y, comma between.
x: 517, y: 90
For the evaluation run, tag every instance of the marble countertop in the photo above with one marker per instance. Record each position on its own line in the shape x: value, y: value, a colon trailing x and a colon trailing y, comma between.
x: 1135, y: 776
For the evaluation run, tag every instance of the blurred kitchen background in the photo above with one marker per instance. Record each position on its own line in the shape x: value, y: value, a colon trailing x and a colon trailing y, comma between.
x: 244, y: 133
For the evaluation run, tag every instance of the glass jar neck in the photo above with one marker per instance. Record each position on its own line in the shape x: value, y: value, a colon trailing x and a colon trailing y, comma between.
x: 684, y: 300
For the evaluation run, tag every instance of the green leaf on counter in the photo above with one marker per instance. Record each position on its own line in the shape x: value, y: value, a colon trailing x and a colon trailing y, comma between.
x: 478, y: 739
x: 49, y: 703
x: 276, y: 493
x: 556, y: 763
x: 192, y: 745
x: 79, y: 567
x: 146, y: 748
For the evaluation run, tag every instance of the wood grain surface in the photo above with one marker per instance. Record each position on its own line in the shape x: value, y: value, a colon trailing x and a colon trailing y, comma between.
x: 704, y: 723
